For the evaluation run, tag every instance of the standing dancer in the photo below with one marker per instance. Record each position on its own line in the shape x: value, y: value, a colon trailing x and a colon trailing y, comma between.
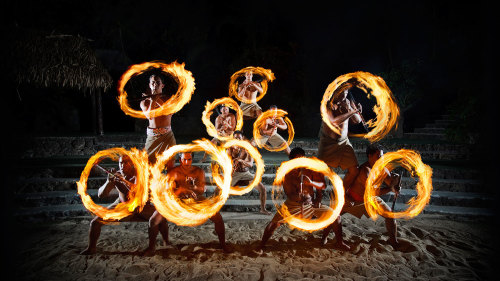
x: 249, y: 89
x: 335, y: 149
x: 269, y: 132
x: 225, y: 123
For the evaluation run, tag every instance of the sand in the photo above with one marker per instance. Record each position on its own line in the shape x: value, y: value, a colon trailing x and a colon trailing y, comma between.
x: 435, y: 247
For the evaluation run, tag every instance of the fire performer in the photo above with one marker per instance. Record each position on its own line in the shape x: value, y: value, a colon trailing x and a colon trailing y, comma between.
x: 269, y: 132
x: 190, y: 184
x: 249, y: 89
x: 355, y: 204
x: 302, y: 200
x: 225, y: 123
x: 119, y: 181
x: 159, y: 132
x: 334, y: 149
x: 242, y: 162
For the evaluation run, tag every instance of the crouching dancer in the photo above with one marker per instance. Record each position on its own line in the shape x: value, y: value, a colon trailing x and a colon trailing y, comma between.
x: 301, y: 203
x: 118, y: 184
x: 355, y: 204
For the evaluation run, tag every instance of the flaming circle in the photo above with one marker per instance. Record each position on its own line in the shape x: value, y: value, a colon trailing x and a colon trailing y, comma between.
x: 259, y: 163
x: 233, y: 86
x: 260, y: 121
x: 411, y: 161
x: 386, y: 109
x: 229, y: 102
x: 188, y: 212
x: 336, y: 205
x: 183, y: 95
x: 138, y: 195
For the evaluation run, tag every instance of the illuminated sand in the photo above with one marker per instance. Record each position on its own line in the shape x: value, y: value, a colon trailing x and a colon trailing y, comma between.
x: 439, y: 248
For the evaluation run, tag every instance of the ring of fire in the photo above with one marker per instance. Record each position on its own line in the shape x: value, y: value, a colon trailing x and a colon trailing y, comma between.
x: 336, y: 205
x: 188, y: 212
x: 262, y: 119
x: 209, y: 107
x: 138, y: 195
x: 259, y: 164
x: 411, y: 161
x: 233, y: 86
x: 386, y: 109
x: 183, y: 95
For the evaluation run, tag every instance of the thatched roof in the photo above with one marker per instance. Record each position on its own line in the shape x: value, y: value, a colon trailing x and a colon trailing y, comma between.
x: 57, y: 61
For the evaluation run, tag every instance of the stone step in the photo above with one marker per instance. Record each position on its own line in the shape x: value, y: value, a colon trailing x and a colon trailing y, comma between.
x: 442, y: 198
x: 232, y: 209
x: 57, y: 184
x: 428, y: 130
x: 425, y: 136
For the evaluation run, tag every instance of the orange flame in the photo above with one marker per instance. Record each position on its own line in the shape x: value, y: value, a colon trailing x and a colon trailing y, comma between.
x: 260, y: 121
x: 138, y: 195
x: 188, y: 212
x: 183, y: 95
x: 259, y: 164
x: 411, y: 161
x: 386, y: 109
x: 233, y: 86
x: 318, y: 166
x: 205, y: 117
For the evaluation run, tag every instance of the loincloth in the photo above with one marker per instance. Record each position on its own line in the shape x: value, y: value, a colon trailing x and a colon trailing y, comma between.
x: 275, y: 140
x: 249, y: 109
x: 158, y: 140
x: 136, y: 216
x: 358, y: 209
x: 336, y: 153
x: 307, y: 212
x: 241, y: 176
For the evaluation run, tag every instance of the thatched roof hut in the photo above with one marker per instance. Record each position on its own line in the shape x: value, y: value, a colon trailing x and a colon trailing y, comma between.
x: 49, y: 60
x: 58, y: 61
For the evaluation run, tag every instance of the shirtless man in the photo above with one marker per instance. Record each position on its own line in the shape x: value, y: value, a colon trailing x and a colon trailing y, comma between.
x: 355, y: 204
x: 299, y: 185
x: 249, y: 90
x: 269, y: 132
x: 225, y: 123
x: 159, y: 132
x: 119, y: 184
x: 242, y: 161
x: 190, y: 183
x: 334, y: 149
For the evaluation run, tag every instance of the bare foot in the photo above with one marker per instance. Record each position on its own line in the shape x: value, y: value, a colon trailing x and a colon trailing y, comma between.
x: 394, y: 243
x: 88, y: 251
x: 148, y: 252
x: 227, y: 249
x: 341, y: 245
x: 265, y: 212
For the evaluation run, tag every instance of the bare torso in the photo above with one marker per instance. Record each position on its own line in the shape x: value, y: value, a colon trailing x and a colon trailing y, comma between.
x: 155, y: 121
x: 189, y: 179
x: 294, y: 186
x: 225, y: 125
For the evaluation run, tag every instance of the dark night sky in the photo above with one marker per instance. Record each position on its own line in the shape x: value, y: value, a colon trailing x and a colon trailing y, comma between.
x: 306, y: 45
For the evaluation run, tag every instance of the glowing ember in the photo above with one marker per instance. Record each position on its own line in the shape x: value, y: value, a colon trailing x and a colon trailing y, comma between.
x: 386, y: 109
x: 189, y: 212
x: 259, y: 164
x: 183, y: 95
x: 266, y: 73
x: 411, y: 161
x: 260, y: 122
x: 229, y: 102
x: 337, y: 204
x: 138, y: 195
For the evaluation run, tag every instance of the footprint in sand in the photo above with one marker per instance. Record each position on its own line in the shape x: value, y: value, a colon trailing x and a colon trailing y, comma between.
x: 419, y: 232
x: 433, y: 250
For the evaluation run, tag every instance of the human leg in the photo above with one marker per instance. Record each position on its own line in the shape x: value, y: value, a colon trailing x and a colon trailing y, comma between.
x: 220, y: 230
x: 94, y: 233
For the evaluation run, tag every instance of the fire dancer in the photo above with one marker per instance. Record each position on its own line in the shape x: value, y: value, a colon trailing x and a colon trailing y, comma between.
x: 242, y: 162
x: 119, y: 181
x: 225, y: 123
x: 303, y: 201
x: 190, y: 183
x: 269, y: 132
x: 334, y: 149
x: 248, y: 89
x: 355, y: 204
x: 159, y: 132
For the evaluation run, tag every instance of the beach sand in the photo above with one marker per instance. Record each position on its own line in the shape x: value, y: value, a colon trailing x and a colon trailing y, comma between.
x: 435, y: 247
